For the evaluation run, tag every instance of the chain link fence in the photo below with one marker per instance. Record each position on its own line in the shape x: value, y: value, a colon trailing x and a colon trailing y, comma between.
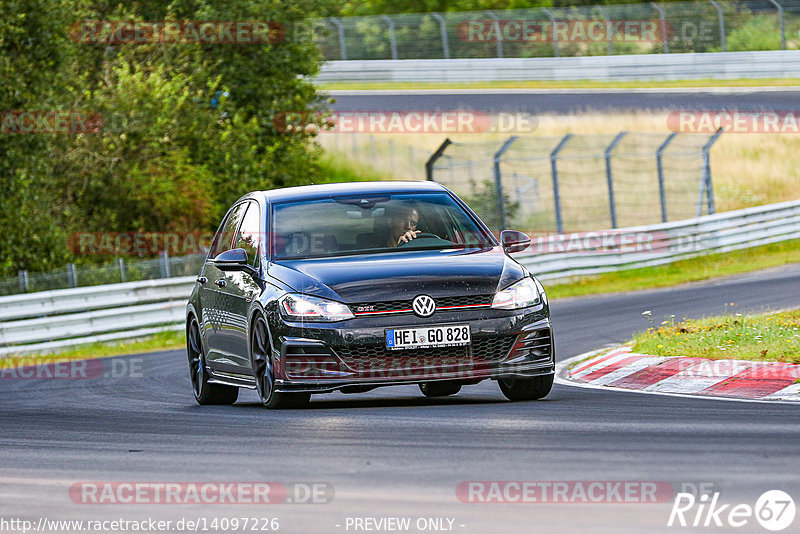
x: 648, y: 28
x: 90, y: 275
x: 580, y: 182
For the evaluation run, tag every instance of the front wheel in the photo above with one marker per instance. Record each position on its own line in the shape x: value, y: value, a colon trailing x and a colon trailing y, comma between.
x: 522, y: 389
x: 204, y: 393
x: 263, y: 372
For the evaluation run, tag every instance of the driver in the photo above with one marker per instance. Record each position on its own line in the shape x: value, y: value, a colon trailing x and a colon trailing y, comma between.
x: 402, y: 223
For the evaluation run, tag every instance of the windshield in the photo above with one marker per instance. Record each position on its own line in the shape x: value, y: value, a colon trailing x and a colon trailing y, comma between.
x: 372, y: 224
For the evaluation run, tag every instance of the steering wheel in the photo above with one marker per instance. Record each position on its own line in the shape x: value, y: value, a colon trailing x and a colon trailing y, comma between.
x: 421, y: 235
x: 298, y: 243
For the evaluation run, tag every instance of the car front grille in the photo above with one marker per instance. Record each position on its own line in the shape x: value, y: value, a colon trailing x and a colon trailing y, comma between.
x: 372, y: 357
x: 404, y: 306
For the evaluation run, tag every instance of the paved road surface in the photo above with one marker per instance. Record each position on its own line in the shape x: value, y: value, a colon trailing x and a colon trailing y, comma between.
x: 391, y: 452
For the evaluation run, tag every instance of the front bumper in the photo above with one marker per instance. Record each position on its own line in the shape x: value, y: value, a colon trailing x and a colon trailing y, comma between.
x: 351, y: 355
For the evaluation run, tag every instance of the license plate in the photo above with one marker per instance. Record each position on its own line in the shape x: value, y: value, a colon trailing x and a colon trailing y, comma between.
x: 421, y: 337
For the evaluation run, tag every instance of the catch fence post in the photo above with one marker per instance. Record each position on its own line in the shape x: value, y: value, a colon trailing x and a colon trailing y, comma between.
x: 72, y: 275
x: 721, y: 25
x: 553, y: 31
x: 435, y: 156
x: 612, y: 205
x: 23, y: 281
x: 340, y: 32
x: 608, y: 29
x: 443, y: 29
x: 163, y: 258
x: 497, y: 32
x: 392, y: 41
x: 554, y: 171
x: 660, y: 168
x: 498, y: 180
x: 709, y: 186
x: 664, y: 34
x: 780, y: 23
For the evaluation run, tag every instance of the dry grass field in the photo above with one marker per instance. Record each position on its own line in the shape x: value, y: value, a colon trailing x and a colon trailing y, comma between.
x: 748, y: 169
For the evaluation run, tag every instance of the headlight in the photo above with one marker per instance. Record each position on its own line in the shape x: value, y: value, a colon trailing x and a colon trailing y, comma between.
x: 307, y: 308
x: 518, y: 295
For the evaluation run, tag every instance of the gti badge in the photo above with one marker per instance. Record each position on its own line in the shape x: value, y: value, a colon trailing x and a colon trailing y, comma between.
x: 423, y: 305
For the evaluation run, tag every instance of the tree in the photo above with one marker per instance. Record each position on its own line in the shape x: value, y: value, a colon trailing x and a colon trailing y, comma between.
x: 186, y: 127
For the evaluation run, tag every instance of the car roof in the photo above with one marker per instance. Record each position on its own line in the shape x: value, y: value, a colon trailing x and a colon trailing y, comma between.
x: 307, y: 192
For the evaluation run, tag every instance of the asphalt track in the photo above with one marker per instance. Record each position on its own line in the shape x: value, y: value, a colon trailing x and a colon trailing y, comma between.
x: 568, y: 101
x: 391, y: 452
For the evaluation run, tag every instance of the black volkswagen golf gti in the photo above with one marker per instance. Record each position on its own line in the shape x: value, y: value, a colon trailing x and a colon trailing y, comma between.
x: 354, y: 286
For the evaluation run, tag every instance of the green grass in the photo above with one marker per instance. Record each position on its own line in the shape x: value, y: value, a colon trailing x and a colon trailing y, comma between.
x: 774, y: 337
x: 575, y: 84
x: 692, y: 270
x: 168, y: 340
x: 340, y: 169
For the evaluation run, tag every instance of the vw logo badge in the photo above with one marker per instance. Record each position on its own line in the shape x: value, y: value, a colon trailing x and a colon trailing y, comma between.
x: 424, y: 306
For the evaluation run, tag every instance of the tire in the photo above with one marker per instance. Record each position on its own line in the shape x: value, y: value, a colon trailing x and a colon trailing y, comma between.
x: 204, y: 393
x: 261, y: 360
x: 523, y: 389
x: 439, y: 389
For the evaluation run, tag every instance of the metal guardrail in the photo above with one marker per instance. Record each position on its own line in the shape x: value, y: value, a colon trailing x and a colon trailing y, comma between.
x: 52, y: 319
x: 121, y: 270
x: 718, y: 66
x: 566, y: 256
x: 55, y: 319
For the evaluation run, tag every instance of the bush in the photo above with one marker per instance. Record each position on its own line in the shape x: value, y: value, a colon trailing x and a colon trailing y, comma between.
x: 758, y: 33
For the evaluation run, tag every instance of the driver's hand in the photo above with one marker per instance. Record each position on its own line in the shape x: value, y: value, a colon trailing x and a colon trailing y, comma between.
x: 408, y: 236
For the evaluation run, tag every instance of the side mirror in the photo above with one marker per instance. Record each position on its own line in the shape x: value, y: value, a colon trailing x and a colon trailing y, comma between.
x: 232, y: 260
x: 514, y: 241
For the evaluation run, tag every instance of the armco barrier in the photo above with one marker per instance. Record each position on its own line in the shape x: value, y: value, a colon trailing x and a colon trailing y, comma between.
x: 721, y: 232
x: 52, y: 319
x: 717, y: 65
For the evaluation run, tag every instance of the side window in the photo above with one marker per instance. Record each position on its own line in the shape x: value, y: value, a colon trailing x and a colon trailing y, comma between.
x: 224, y: 238
x: 249, y: 235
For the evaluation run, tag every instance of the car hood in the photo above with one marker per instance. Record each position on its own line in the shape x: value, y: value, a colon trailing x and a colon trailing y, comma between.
x: 401, y: 275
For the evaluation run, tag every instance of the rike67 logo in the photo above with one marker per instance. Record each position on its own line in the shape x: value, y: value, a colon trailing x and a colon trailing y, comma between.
x: 774, y: 510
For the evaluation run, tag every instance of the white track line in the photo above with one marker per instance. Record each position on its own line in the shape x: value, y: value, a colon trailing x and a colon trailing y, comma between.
x: 791, y: 390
